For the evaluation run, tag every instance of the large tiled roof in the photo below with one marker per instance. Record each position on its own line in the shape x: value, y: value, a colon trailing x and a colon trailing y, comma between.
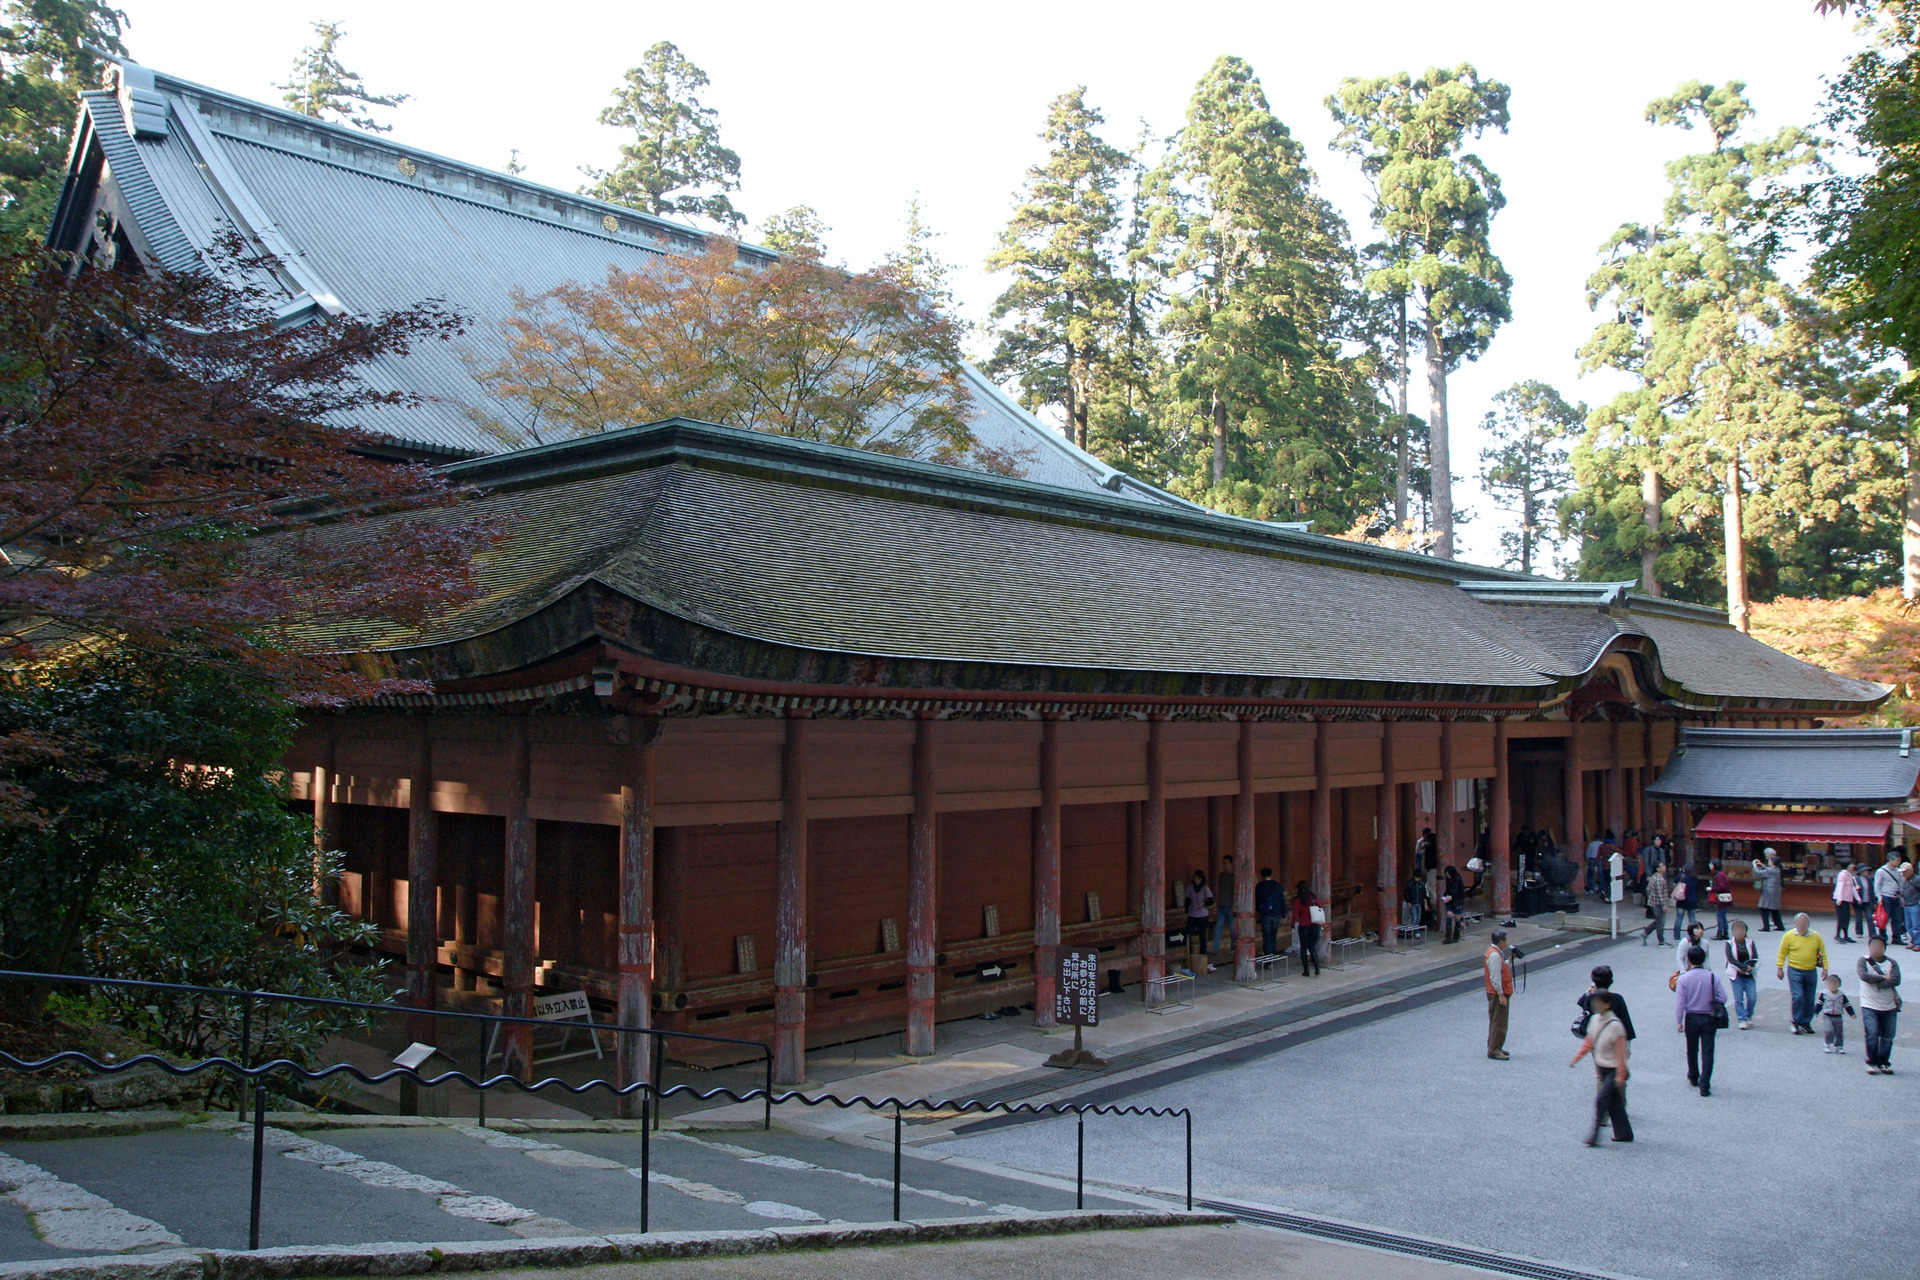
x: 363, y: 223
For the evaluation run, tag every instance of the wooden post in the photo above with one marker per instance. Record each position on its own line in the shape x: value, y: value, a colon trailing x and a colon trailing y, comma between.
x: 1500, y: 822
x: 1575, y: 801
x: 1387, y: 805
x: 1243, y: 929
x: 633, y: 1056
x: 1046, y: 874
x: 326, y: 813
x: 1320, y: 831
x: 1443, y: 808
x: 1153, y: 859
x: 518, y: 906
x: 423, y: 876
x: 1617, y: 783
x: 790, y: 912
x: 923, y: 880
x: 669, y: 912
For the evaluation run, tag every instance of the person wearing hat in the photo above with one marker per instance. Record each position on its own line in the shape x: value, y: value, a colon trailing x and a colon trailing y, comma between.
x: 1499, y: 976
x: 1766, y: 878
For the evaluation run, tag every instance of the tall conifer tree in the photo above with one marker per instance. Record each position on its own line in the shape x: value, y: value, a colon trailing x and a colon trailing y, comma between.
x: 46, y: 59
x: 675, y: 163
x: 1060, y: 248
x: 1435, y: 203
x: 1531, y: 425
x: 323, y: 88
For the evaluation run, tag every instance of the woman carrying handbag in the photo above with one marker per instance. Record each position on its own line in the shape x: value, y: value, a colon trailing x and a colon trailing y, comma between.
x: 1722, y: 898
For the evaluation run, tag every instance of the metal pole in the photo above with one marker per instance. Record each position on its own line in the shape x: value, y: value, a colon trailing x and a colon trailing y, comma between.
x: 1189, y: 1161
x: 896, y: 1162
x: 480, y: 1094
x: 246, y: 1054
x: 259, y: 1154
x: 1080, y: 1156
x: 768, y: 1122
x: 646, y: 1157
x: 659, y: 1076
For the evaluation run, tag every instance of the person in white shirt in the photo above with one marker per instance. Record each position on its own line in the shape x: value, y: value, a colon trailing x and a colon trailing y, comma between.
x: 1846, y: 892
x: 1693, y: 937
x: 1879, y: 975
x: 1886, y: 887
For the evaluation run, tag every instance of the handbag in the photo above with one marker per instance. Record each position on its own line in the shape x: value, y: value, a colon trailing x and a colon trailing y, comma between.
x: 1316, y: 915
x: 1723, y: 897
x: 1680, y: 893
x: 1880, y: 915
x: 1719, y: 1012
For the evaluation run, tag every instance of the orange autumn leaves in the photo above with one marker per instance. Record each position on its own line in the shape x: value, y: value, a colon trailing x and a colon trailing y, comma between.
x: 1874, y: 637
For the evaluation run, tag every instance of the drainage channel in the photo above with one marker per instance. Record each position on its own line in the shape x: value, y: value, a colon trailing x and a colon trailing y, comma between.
x: 1412, y: 1246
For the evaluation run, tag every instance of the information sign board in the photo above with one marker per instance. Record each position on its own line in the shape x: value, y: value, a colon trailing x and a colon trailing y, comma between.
x: 1076, y: 999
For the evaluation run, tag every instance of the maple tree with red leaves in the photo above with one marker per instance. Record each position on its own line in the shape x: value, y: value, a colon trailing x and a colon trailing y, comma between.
x: 156, y: 427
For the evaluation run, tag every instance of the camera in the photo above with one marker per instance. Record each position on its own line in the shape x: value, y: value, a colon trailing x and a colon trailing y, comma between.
x: 1516, y: 953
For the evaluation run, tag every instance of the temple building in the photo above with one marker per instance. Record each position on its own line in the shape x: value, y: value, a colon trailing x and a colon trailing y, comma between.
x: 758, y: 737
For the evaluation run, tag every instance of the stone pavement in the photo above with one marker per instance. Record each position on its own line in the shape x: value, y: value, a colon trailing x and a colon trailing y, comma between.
x: 1169, y: 1253
x: 1402, y: 1123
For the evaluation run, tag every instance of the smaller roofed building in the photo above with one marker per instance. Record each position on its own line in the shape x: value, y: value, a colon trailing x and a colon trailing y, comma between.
x: 757, y: 737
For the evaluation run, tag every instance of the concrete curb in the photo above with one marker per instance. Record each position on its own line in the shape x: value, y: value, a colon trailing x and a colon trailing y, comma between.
x: 501, y: 1255
x: 91, y: 1124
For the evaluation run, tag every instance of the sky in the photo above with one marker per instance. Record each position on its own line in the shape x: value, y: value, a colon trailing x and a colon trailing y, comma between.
x: 855, y: 109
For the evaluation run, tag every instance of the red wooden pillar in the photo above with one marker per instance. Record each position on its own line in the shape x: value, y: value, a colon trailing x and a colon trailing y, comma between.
x: 923, y: 879
x: 1655, y: 812
x: 635, y: 1003
x: 1616, y: 783
x: 1500, y: 837
x: 1444, y: 816
x: 1153, y: 859
x: 423, y: 876
x: 669, y: 914
x: 1320, y: 830
x: 1243, y: 932
x: 1575, y: 803
x: 1046, y: 873
x: 1387, y: 806
x: 790, y: 912
x: 518, y: 937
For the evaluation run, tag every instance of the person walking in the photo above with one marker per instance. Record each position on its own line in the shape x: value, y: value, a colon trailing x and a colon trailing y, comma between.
x: 1498, y: 972
x: 1742, y: 958
x: 1722, y: 896
x: 1308, y: 919
x: 1803, y: 963
x: 1199, y: 899
x: 1910, y: 904
x: 1602, y: 981
x: 1766, y: 878
x: 1269, y: 904
x: 1834, y: 1008
x: 1453, y: 901
x: 1846, y: 892
x: 1659, y: 898
x: 1886, y: 889
x: 1683, y: 943
x: 1688, y: 902
x: 1223, y: 923
x: 1607, y: 1040
x: 1694, y: 998
x: 1879, y: 975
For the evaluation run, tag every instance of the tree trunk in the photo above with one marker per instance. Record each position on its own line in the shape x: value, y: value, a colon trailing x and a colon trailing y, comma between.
x: 1400, y: 425
x: 1910, y: 528
x: 1219, y: 439
x: 1650, y: 512
x: 1529, y: 512
x: 1736, y: 547
x: 1438, y: 458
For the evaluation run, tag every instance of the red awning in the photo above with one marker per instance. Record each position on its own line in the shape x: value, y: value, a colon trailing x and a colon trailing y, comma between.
x: 1817, y: 828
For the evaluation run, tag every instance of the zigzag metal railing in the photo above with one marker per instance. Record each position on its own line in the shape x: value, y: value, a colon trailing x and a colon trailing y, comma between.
x: 487, y: 1024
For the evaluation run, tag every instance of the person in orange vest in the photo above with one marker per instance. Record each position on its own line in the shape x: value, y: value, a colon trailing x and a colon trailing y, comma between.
x: 1499, y: 975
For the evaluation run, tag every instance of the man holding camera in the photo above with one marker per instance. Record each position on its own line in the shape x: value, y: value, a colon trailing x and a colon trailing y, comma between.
x: 1499, y: 976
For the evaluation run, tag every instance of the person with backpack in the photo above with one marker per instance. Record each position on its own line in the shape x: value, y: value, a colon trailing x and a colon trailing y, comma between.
x: 1879, y: 976
x: 1742, y: 957
x: 1607, y: 1041
x: 1686, y: 898
x: 1309, y: 917
x: 1700, y: 1000
x: 1269, y: 904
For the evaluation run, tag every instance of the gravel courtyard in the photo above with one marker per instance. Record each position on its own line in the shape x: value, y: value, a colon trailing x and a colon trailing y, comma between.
x: 1795, y: 1164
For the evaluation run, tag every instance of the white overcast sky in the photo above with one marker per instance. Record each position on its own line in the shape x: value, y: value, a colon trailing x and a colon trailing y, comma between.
x: 853, y: 108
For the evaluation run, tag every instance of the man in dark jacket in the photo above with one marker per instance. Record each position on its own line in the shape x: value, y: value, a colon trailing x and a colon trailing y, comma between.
x: 1603, y: 981
x: 1269, y: 904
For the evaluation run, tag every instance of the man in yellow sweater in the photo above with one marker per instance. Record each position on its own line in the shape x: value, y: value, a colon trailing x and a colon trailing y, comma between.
x: 1803, y: 963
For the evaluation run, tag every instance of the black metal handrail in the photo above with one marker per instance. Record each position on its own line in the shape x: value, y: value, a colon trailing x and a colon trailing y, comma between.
x: 650, y: 1097
x: 486, y: 1021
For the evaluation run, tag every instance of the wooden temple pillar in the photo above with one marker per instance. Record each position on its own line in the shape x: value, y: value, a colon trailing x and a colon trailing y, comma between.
x: 634, y: 1008
x: 1575, y: 805
x: 1617, y: 784
x: 923, y: 879
x: 1500, y: 824
x: 1320, y: 830
x: 1153, y: 862
x: 423, y: 888
x: 790, y: 911
x: 1445, y: 820
x: 1046, y: 874
x: 326, y: 813
x: 1387, y: 806
x: 1243, y: 930
x: 517, y: 906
